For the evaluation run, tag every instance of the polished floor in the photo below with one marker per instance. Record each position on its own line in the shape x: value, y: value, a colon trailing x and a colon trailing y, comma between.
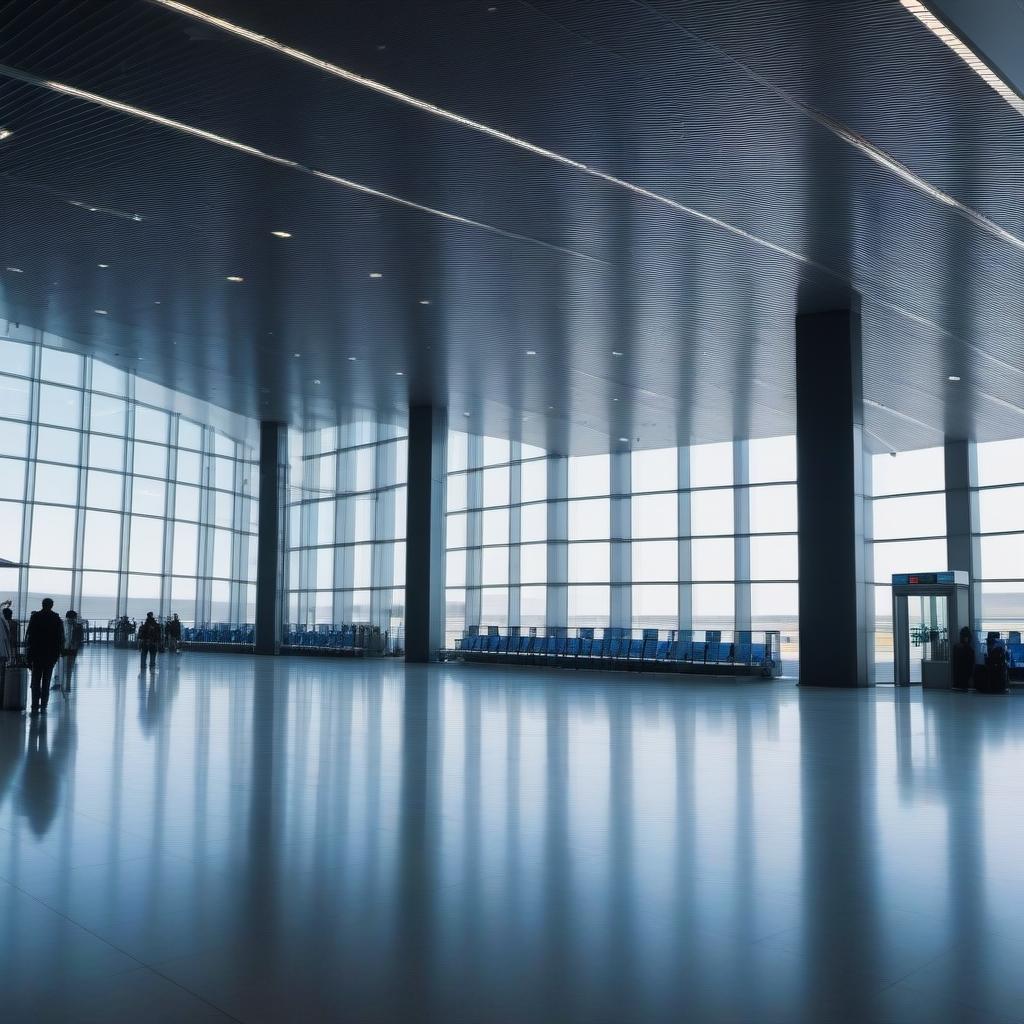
x: 250, y: 839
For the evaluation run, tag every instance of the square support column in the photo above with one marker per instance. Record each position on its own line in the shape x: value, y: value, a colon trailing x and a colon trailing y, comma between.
x: 962, y: 547
x: 834, y: 639
x: 270, y: 552
x: 425, y: 533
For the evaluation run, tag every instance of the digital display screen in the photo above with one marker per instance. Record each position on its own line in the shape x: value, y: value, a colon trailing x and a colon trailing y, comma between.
x: 922, y: 579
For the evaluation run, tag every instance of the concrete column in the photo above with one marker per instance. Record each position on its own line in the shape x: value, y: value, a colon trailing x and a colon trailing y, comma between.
x: 425, y: 531
x: 962, y: 547
x: 270, y: 557
x: 834, y: 640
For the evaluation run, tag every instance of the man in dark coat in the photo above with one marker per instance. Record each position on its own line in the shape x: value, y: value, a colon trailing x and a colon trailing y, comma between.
x: 44, y: 641
x: 149, y: 641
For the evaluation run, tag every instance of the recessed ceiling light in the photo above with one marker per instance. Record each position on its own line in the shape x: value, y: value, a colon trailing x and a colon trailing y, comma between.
x: 614, y: 399
x: 281, y: 234
x: 16, y: 270
x: 424, y: 302
x: 624, y: 440
x: 5, y: 133
x: 953, y: 377
x: 531, y: 352
x: 316, y: 380
x: 466, y: 414
x: 351, y: 359
x: 616, y: 353
x: 102, y: 312
x: 376, y: 275
x: 103, y: 266
x: 157, y: 303
x: 298, y: 355
x: 235, y: 278
x: 399, y: 373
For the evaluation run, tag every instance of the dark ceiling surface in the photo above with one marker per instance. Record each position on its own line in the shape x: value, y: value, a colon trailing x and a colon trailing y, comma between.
x: 711, y: 166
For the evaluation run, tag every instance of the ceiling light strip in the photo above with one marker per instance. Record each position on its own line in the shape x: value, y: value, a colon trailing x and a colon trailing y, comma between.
x: 280, y: 161
x: 889, y: 447
x: 998, y: 401
x: 965, y: 53
x: 484, y: 129
x: 901, y: 415
x: 902, y: 171
x: 849, y: 136
x: 858, y: 141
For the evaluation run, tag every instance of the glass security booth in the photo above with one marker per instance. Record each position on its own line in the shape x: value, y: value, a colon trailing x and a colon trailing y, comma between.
x: 928, y: 611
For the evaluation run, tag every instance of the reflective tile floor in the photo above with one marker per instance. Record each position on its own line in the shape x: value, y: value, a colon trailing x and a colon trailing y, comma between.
x: 300, y: 840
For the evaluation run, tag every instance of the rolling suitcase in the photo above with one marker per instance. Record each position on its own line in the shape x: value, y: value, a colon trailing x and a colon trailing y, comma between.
x: 15, y: 688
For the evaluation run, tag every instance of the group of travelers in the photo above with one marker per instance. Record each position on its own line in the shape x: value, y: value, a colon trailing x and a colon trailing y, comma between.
x: 988, y: 674
x: 48, y: 640
x: 51, y: 641
x: 151, y: 639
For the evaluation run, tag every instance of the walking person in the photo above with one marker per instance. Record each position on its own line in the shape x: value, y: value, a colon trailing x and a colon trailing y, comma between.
x: 149, y: 641
x: 44, y: 641
x: 74, y: 636
x: 174, y: 635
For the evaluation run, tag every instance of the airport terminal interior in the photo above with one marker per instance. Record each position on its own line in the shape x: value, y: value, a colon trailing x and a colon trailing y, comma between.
x: 531, y: 498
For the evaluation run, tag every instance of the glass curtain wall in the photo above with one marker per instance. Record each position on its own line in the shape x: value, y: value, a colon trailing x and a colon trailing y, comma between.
x: 112, y: 502
x: 999, y: 532
x: 907, y: 533
x: 346, y: 528
x: 700, y: 537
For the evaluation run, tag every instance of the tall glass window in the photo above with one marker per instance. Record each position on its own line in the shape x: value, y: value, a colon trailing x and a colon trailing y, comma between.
x: 694, y: 539
x: 94, y: 503
x: 346, y: 528
x: 999, y: 531
x: 908, y: 533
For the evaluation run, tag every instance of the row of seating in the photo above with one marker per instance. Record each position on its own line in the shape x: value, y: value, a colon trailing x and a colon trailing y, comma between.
x: 353, y: 638
x: 613, y: 652
x: 219, y: 633
x: 1014, y: 650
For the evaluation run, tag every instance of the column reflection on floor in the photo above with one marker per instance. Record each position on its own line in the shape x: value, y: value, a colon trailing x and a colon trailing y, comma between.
x: 443, y: 843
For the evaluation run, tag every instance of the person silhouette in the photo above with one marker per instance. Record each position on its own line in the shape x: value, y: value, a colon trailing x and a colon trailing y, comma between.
x: 44, y: 640
x: 149, y: 641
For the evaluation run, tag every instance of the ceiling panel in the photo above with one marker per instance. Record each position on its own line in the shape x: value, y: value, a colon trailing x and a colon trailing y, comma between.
x: 709, y: 170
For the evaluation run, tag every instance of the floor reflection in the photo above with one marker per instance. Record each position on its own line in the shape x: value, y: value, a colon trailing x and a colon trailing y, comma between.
x: 294, y: 839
